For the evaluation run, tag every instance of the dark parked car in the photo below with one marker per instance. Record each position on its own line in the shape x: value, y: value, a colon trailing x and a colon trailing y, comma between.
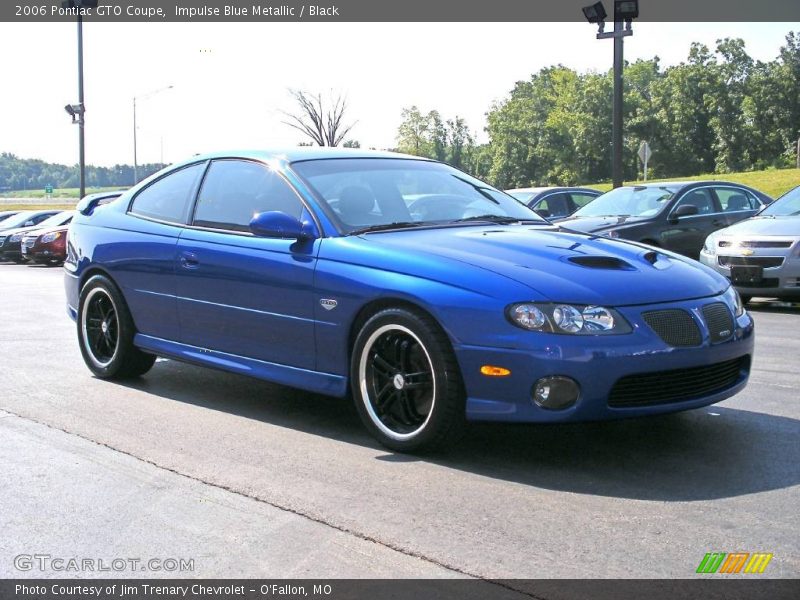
x: 676, y: 216
x: 554, y: 202
x: 428, y: 296
x: 11, y: 239
x: 5, y: 214
x: 26, y: 218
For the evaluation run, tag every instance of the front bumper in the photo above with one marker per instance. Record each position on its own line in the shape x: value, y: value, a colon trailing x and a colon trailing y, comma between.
x: 597, y: 363
x: 781, y: 281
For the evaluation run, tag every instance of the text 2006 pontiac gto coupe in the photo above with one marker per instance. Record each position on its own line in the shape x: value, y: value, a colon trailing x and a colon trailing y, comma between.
x: 430, y: 296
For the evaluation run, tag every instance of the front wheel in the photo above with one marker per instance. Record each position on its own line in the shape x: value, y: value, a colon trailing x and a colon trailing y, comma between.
x: 406, y: 382
x: 106, y: 330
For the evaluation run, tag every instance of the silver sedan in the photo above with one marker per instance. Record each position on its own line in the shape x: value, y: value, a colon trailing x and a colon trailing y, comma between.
x: 761, y: 255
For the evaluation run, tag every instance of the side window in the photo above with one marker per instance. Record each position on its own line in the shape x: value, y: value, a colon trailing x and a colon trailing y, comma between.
x: 701, y: 199
x: 733, y: 200
x: 234, y: 191
x: 39, y: 218
x: 556, y: 205
x: 168, y: 198
x: 580, y: 199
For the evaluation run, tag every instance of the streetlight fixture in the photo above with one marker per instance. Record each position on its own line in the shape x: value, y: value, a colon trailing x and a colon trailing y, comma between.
x: 135, y: 156
x: 624, y: 12
x: 76, y: 111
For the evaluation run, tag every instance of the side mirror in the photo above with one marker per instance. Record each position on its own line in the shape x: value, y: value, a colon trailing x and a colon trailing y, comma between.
x: 543, y: 212
x: 28, y: 224
x: 276, y: 224
x: 685, y: 210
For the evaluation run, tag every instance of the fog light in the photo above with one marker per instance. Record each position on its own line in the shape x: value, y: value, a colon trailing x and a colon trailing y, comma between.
x: 556, y: 393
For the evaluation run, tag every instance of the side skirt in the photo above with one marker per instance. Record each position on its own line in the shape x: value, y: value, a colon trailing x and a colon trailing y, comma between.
x: 313, y: 381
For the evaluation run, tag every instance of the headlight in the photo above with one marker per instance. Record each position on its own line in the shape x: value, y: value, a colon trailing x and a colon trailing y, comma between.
x: 16, y: 237
x: 733, y: 299
x: 710, y: 245
x: 49, y: 237
x: 567, y: 318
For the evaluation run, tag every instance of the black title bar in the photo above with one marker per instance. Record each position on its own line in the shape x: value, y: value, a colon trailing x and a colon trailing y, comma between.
x: 390, y: 10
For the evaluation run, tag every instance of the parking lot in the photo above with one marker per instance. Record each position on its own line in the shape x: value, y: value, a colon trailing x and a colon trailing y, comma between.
x: 253, y: 479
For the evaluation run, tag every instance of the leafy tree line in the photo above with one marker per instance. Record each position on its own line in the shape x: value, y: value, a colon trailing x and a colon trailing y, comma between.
x: 33, y: 174
x: 719, y: 111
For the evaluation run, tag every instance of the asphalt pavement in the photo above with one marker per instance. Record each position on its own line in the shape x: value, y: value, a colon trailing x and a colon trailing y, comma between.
x: 250, y: 479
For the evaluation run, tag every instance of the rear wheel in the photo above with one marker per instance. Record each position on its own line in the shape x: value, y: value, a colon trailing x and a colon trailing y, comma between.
x: 106, y: 330
x: 406, y: 382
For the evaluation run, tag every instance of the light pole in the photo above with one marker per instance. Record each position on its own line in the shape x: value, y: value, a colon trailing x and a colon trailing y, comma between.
x: 77, y: 111
x: 624, y: 12
x: 135, y: 155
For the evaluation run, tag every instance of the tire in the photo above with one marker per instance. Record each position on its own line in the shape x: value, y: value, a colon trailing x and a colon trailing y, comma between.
x: 396, y: 349
x: 106, y: 330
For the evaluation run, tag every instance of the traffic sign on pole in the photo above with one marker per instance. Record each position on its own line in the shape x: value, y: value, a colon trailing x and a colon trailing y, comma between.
x: 644, y: 156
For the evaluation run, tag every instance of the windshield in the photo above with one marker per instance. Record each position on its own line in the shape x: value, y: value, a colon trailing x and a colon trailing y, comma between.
x: 787, y: 205
x: 17, y: 220
x: 61, y: 218
x: 374, y: 193
x: 522, y: 196
x: 628, y: 202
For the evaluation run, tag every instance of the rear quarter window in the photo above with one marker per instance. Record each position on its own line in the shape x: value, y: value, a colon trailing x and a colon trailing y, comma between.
x: 168, y: 199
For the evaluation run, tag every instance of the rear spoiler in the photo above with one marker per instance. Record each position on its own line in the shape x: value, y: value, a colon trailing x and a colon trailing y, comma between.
x: 88, y: 203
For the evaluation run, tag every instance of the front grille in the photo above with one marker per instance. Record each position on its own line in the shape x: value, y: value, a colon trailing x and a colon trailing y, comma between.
x: 766, y: 262
x: 676, y: 327
x: 765, y: 244
x: 719, y: 322
x: 678, y: 385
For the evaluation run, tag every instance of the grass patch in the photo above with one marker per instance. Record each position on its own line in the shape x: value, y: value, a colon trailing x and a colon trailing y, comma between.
x: 58, y: 192
x: 57, y: 205
x: 773, y: 182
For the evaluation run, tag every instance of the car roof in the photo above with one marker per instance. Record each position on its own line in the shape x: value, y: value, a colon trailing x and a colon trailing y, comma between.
x: 301, y: 153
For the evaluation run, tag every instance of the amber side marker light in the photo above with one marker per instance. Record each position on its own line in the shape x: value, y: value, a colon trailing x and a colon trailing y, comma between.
x: 492, y: 371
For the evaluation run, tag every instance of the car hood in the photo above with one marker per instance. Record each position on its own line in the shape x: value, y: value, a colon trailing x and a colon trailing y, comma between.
x: 593, y: 224
x: 546, y: 259
x: 785, y: 226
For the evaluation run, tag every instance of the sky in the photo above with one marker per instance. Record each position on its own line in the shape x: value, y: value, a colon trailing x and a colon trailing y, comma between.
x: 230, y: 81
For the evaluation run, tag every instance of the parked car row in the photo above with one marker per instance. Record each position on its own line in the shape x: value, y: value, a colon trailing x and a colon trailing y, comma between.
x: 739, y: 231
x: 39, y: 236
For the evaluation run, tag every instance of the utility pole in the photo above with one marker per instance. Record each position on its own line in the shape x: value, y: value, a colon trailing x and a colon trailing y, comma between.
x: 616, y: 121
x: 82, y: 120
x: 624, y: 12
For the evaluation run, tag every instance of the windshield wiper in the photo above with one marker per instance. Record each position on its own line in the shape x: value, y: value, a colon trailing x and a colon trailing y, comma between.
x: 388, y: 226
x: 503, y: 220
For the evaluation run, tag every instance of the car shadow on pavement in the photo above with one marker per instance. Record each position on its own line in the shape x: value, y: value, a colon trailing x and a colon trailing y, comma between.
x: 708, y: 453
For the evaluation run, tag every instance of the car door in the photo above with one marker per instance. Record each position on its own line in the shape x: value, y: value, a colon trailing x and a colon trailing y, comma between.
x: 242, y: 294
x: 736, y: 203
x: 143, y: 260
x: 687, y: 234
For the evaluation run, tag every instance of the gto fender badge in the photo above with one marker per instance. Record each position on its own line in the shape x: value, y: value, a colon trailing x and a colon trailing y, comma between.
x: 328, y: 303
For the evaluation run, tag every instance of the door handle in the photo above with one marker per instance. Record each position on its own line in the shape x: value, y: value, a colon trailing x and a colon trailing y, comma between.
x: 189, y: 260
x: 717, y: 223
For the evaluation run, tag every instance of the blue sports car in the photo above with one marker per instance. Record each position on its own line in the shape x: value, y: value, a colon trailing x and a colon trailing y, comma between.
x: 428, y: 295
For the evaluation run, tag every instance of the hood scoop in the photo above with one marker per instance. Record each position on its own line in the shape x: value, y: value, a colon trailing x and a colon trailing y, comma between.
x: 602, y: 262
